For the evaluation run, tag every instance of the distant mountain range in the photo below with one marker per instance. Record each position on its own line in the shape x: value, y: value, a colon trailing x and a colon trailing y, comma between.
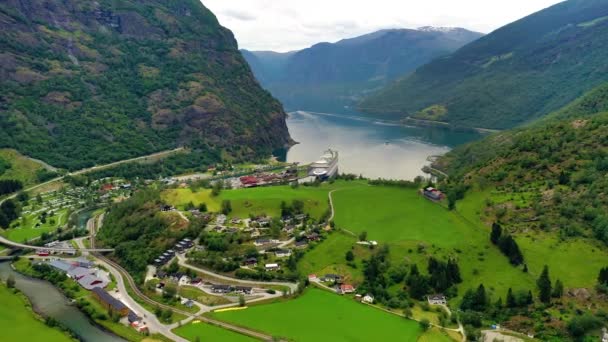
x: 513, y: 75
x: 332, y: 76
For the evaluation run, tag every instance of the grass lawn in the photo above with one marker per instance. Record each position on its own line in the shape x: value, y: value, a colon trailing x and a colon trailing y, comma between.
x: 210, y: 333
x: 328, y: 317
x: 22, y: 168
x: 584, y: 258
x: 329, y: 257
x: 200, y: 296
x: 19, y: 323
x: 437, y: 335
x: 257, y: 201
x: 416, y: 228
x: 28, y: 230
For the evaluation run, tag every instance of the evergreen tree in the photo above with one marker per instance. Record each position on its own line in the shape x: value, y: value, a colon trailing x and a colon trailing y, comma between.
x: 602, y: 278
x: 529, y: 298
x: 481, y: 299
x: 558, y: 289
x: 454, y: 272
x: 418, y: 286
x: 544, y: 286
x: 509, y: 247
x: 496, y: 233
x: 498, y: 304
x: 525, y: 268
x: 511, y: 303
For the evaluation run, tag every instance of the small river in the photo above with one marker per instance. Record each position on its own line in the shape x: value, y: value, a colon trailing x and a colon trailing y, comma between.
x: 49, y: 302
x: 370, y: 146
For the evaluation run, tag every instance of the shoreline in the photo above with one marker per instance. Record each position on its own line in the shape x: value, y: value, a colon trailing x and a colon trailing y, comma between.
x: 72, y: 334
x: 405, y: 122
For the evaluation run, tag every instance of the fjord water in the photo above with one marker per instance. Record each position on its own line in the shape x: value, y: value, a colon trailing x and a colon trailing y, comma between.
x: 48, y: 301
x: 369, y: 146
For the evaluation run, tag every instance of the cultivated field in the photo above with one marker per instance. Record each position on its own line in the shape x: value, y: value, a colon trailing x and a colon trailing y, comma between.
x: 258, y: 201
x: 210, y: 333
x: 416, y: 228
x: 328, y: 317
x: 329, y: 257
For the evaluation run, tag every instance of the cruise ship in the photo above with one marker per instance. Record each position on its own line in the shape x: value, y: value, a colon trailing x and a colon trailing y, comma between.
x: 326, y: 167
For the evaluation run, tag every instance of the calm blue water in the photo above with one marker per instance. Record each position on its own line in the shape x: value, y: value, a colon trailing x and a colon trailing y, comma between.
x: 369, y: 146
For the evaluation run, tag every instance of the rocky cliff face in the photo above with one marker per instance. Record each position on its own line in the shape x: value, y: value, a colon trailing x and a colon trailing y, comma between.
x: 86, y: 82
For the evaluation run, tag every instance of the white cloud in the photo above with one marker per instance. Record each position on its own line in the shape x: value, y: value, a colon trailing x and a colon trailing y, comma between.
x: 284, y: 25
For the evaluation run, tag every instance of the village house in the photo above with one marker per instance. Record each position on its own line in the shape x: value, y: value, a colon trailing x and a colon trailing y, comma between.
x: 221, y: 219
x: 184, y: 280
x: 265, y: 241
x: 437, y: 299
x: 250, y: 261
x: 289, y: 229
x: 313, y: 237
x: 221, y: 288
x: 272, y: 267
x: 282, y: 253
x: 368, y: 298
x: 433, y: 194
x: 243, y: 290
x: 301, y: 244
x: 346, y: 289
x: 332, y: 278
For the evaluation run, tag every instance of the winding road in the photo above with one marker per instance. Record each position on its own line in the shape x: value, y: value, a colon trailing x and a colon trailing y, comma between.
x: 120, y: 274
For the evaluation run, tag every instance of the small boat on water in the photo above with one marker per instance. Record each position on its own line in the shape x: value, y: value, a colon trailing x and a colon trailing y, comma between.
x: 326, y: 167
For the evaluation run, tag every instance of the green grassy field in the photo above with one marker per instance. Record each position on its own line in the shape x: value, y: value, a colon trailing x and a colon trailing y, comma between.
x: 416, y: 228
x: 210, y: 333
x: 436, y: 335
x: 257, y: 201
x: 322, y: 316
x: 27, y: 229
x: 18, y: 322
x: 584, y: 257
x: 329, y: 257
x: 22, y: 168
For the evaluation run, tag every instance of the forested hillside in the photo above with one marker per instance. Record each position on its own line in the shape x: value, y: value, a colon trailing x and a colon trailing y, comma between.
x: 550, y: 176
x: 513, y: 75
x: 89, y: 82
x: 140, y: 232
x: 332, y: 76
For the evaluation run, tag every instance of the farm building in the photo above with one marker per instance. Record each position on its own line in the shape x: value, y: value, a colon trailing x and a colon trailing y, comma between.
x: 109, y: 302
x: 437, y: 299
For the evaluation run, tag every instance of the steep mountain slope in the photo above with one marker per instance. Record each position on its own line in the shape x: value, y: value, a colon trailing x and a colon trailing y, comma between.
x: 549, y: 176
x: 518, y: 73
x: 85, y: 82
x: 329, y: 76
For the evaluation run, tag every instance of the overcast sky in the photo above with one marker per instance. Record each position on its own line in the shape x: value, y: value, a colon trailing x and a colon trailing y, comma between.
x: 284, y: 25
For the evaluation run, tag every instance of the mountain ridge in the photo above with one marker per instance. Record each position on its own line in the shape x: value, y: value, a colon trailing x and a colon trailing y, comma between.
x: 518, y: 73
x: 329, y: 76
x: 94, y: 82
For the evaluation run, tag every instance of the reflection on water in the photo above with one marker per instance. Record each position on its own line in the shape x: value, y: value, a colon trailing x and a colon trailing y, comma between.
x: 369, y: 146
x: 47, y: 300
